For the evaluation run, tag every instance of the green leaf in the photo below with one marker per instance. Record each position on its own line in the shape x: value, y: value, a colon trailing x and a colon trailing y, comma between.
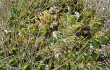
x: 95, y: 42
x: 101, y: 20
x: 33, y: 29
x: 67, y: 66
x: 43, y: 30
x: 51, y: 64
x: 13, y: 62
x: 103, y: 39
x: 74, y: 67
x: 35, y: 4
x: 45, y: 60
x: 24, y: 31
x: 108, y: 35
x: 95, y: 55
x: 39, y: 67
x: 15, y: 50
x: 71, y: 19
x: 87, y: 20
x: 77, y: 25
x: 80, y: 58
x: 96, y: 26
x: 99, y: 68
x: 54, y: 40
x: 26, y: 67
x: 1, y: 53
x: 89, y: 58
x: 38, y: 57
x: 73, y: 56
x: 43, y: 5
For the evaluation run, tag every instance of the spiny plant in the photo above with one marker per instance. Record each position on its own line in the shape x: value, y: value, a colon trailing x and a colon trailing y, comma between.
x: 53, y: 35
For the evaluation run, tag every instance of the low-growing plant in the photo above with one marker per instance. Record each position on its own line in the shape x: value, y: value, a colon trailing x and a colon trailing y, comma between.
x: 53, y: 35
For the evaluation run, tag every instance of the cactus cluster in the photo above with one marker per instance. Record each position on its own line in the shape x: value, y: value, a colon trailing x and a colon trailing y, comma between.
x: 54, y: 35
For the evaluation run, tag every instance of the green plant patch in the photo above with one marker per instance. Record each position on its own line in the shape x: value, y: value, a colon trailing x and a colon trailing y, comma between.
x: 53, y: 35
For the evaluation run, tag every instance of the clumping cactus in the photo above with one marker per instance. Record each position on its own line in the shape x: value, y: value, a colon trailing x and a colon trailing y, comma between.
x: 54, y: 35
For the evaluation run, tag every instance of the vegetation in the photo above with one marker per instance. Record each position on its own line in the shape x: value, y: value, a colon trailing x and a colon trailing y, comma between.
x: 53, y: 35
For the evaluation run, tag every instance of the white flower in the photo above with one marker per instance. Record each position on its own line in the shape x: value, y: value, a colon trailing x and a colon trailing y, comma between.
x: 103, y: 9
x: 52, y: 44
x: 54, y: 34
x: 70, y: 27
x: 91, y: 49
x: 69, y: 8
x: 51, y: 9
x: 30, y: 61
x: 99, y: 50
x: 64, y: 40
x: 57, y: 55
x: 46, y: 67
x: 6, y: 31
x: 54, y: 9
x: 77, y: 14
x: 88, y: 64
x: 108, y: 21
x: 103, y: 45
x: 91, y: 46
x: 54, y: 23
x: 19, y: 34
